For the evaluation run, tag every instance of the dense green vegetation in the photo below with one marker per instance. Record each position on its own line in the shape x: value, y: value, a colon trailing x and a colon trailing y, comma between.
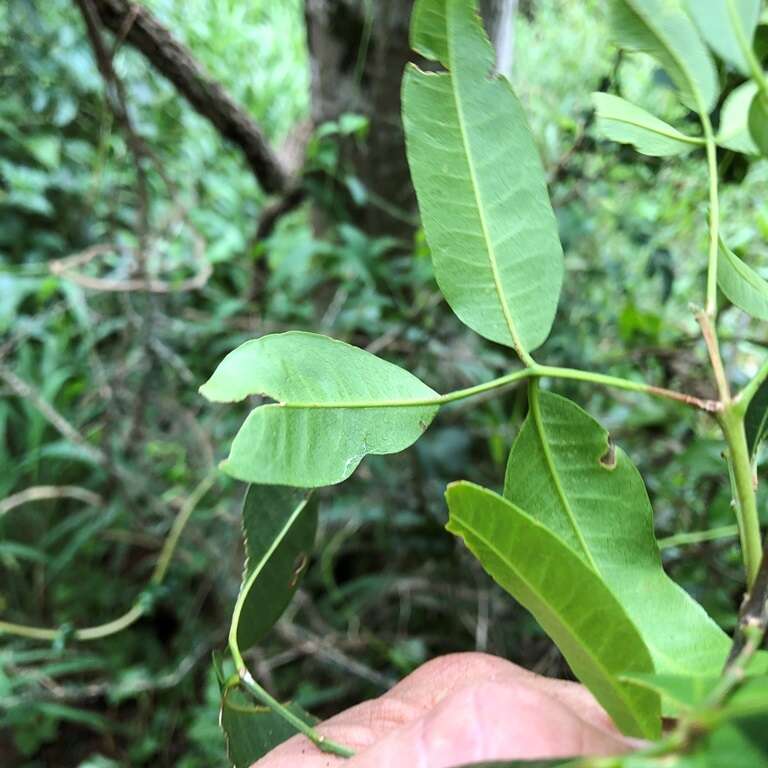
x: 99, y: 388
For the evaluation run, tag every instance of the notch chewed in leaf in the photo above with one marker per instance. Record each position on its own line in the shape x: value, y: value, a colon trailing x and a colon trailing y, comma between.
x: 334, y: 405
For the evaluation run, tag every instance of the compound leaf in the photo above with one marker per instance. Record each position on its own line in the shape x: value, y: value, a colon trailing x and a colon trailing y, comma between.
x: 741, y: 284
x: 480, y: 184
x: 279, y: 527
x: 564, y: 468
x: 622, y: 121
x: 663, y: 29
x: 335, y: 404
x: 565, y: 595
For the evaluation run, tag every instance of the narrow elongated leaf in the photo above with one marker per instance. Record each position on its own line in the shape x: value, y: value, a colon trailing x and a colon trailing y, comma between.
x: 566, y: 596
x: 734, y: 120
x: 250, y: 731
x: 756, y: 419
x: 279, y: 526
x: 723, y: 22
x: 480, y: 184
x: 429, y: 36
x: 663, y: 29
x: 622, y: 121
x: 335, y: 404
x: 564, y: 469
x: 741, y: 284
x: 758, y: 122
x: 682, y: 694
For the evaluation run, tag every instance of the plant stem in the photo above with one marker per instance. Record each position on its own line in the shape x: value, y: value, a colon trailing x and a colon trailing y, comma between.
x: 714, y: 216
x: 744, y: 398
x: 326, y: 745
x: 732, y: 423
x: 140, y: 606
x: 698, y: 537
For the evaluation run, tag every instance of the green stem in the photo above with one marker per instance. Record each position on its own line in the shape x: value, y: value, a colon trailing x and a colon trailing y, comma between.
x: 139, y: 608
x: 714, y: 216
x: 732, y: 423
x: 744, y: 398
x: 698, y: 537
x: 326, y: 745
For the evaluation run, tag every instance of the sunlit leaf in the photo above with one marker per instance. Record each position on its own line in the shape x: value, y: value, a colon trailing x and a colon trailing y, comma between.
x: 335, y: 404
x: 734, y: 120
x: 723, y: 22
x: 741, y: 284
x: 566, y: 596
x: 480, y: 184
x: 564, y: 468
x: 663, y: 29
x: 622, y: 121
x: 279, y: 526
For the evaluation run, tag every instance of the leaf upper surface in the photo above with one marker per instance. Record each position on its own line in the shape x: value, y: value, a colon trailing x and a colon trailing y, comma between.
x: 336, y: 404
x: 564, y: 469
x: 279, y: 526
x: 565, y: 595
x: 481, y: 187
x: 663, y: 29
x: 741, y: 284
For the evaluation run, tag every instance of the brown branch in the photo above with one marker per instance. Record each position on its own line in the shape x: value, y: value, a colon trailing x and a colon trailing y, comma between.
x: 174, y: 61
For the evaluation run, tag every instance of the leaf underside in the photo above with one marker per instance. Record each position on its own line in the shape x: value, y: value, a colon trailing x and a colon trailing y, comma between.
x: 480, y: 183
x: 741, y: 284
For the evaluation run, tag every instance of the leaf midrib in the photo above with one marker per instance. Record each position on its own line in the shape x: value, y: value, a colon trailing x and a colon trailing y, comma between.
x: 492, y: 258
x: 608, y: 675
x: 675, y: 134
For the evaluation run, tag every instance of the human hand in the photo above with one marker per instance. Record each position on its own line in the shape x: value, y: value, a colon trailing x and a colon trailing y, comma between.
x: 460, y: 709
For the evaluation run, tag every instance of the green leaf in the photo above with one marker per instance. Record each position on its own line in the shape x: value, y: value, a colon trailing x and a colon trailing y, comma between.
x: 741, y: 284
x: 335, y: 404
x: 252, y: 731
x: 722, y: 23
x: 756, y: 419
x: 734, y: 117
x: 279, y: 526
x: 428, y: 30
x: 565, y: 595
x: 564, y: 468
x: 663, y: 29
x: 480, y: 185
x: 619, y: 120
x: 758, y: 122
x: 683, y: 694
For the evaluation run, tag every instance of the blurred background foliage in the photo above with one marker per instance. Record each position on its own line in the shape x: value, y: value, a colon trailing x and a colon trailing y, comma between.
x: 99, y: 389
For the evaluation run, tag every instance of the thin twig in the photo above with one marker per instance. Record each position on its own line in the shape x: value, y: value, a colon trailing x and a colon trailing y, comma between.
x: 46, y: 492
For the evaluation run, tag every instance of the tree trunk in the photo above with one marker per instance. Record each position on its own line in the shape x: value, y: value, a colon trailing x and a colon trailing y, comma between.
x: 358, y: 50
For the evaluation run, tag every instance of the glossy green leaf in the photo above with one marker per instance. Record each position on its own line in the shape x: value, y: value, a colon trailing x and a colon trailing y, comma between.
x: 756, y: 419
x: 481, y: 186
x: 734, y: 120
x: 565, y: 595
x: 722, y: 23
x: 335, y: 404
x: 620, y: 120
x: 279, y: 527
x: 758, y: 122
x: 564, y: 468
x: 663, y: 29
x: 741, y: 284
x: 250, y: 731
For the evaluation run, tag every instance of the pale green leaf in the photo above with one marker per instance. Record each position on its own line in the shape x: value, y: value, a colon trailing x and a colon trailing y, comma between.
x: 279, y: 526
x: 482, y: 190
x: 566, y: 597
x: 741, y: 284
x: 564, y: 469
x: 681, y: 693
x: 620, y: 120
x: 663, y: 29
x: 428, y: 31
x: 727, y: 26
x: 758, y: 122
x: 734, y: 120
x: 335, y: 404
